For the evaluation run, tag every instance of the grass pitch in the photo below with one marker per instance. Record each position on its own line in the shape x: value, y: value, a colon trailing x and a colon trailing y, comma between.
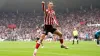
x: 84, y: 48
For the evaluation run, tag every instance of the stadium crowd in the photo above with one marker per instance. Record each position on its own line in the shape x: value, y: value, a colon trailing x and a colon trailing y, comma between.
x: 26, y: 24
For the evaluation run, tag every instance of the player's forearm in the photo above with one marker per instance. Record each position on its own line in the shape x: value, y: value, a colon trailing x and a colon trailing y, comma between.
x: 43, y: 6
x: 56, y: 22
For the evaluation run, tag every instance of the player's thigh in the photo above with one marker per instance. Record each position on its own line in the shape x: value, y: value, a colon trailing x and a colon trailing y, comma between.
x: 57, y: 32
x: 42, y: 36
x: 96, y: 37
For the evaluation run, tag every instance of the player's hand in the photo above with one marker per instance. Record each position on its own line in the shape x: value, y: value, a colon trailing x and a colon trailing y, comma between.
x: 43, y: 2
x: 57, y: 26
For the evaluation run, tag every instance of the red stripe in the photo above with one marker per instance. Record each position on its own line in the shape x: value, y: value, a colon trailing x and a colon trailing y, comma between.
x: 48, y: 19
x: 45, y: 19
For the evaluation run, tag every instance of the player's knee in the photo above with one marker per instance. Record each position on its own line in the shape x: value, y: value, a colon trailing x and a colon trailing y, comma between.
x: 60, y: 35
x: 42, y: 36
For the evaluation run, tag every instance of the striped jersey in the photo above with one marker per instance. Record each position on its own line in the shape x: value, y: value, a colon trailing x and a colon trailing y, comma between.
x: 50, y: 18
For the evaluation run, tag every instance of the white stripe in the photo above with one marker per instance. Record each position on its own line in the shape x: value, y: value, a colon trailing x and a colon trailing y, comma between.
x: 55, y: 54
x: 38, y: 52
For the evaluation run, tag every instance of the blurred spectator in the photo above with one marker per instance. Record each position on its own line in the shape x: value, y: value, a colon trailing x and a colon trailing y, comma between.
x: 26, y: 24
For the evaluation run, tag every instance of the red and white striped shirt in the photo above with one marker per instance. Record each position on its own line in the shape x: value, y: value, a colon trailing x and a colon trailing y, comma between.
x: 50, y: 18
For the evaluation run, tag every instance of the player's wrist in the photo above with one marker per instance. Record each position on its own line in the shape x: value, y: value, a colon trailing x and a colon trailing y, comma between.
x: 58, y: 25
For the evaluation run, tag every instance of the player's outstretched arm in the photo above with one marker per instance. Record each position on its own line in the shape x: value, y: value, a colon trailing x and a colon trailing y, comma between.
x: 43, y: 7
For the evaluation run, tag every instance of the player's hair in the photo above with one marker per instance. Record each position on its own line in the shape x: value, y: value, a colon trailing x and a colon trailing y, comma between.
x: 50, y: 2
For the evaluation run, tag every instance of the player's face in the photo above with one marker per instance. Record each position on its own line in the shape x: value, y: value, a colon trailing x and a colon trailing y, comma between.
x: 50, y: 6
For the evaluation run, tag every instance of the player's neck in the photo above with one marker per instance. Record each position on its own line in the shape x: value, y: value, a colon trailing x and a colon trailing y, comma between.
x: 50, y: 9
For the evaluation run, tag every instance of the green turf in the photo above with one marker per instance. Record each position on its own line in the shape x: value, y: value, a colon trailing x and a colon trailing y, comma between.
x: 51, y: 49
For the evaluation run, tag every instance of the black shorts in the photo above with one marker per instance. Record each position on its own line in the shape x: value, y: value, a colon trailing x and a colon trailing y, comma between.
x: 75, y: 37
x: 37, y: 38
x: 49, y: 37
x: 48, y: 28
x: 96, y: 37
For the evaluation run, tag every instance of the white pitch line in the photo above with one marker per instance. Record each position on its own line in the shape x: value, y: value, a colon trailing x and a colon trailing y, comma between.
x: 58, y: 54
x: 14, y: 51
x: 55, y: 54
